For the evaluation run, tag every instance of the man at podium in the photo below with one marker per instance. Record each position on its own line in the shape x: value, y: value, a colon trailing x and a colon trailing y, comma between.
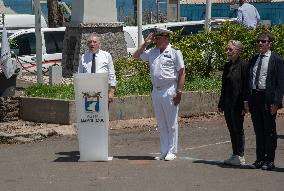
x: 98, y: 61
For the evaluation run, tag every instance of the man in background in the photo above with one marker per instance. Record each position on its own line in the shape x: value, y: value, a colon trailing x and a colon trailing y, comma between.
x: 248, y: 15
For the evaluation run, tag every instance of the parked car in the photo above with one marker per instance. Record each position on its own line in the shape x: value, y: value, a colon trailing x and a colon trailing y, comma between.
x: 189, y: 27
x: 15, y: 22
x: 24, y: 46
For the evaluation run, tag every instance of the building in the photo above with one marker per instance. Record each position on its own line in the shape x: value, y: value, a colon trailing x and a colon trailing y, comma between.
x: 271, y: 12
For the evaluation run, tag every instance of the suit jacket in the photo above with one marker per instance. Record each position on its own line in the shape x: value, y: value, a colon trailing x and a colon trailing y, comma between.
x: 233, y: 83
x: 274, y: 80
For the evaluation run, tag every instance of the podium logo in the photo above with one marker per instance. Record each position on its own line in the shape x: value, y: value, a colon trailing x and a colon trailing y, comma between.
x: 92, y: 101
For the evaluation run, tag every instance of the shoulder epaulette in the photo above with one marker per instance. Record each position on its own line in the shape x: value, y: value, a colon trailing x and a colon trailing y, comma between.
x: 176, y: 48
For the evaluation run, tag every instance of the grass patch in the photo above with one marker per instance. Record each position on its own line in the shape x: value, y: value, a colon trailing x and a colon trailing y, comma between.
x: 137, y: 85
x: 47, y: 91
x: 212, y: 84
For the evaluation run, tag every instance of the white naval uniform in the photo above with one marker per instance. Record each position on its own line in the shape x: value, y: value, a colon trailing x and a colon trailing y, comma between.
x: 164, y: 69
x: 104, y: 64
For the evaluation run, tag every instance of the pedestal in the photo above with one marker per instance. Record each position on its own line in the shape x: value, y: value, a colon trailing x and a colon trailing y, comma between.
x: 91, y: 96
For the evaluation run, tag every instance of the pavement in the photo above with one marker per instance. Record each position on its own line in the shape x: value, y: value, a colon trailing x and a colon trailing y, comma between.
x: 52, y: 163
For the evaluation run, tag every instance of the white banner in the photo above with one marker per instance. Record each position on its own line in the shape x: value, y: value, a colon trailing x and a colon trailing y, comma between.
x: 91, y: 95
x: 6, y: 63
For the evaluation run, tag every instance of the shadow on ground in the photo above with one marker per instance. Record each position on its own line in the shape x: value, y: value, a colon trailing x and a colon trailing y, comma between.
x: 222, y: 165
x: 72, y: 156
x: 280, y: 136
x: 135, y: 157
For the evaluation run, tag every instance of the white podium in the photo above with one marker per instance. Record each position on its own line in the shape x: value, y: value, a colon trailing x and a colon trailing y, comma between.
x: 91, y: 95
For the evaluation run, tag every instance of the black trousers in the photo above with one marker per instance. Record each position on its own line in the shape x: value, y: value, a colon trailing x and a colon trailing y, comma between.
x: 264, y: 127
x: 7, y: 86
x: 235, y: 120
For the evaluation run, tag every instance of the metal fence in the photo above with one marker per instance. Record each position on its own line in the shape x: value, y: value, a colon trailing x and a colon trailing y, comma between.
x: 272, y: 12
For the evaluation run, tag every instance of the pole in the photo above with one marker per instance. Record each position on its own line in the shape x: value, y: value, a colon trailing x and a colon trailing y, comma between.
x: 38, y: 41
x: 208, y: 15
x: 3, y: 19
x: 178, y: 11
x: 139, y: 22
x: 158, y: 10
x: 33, y: 6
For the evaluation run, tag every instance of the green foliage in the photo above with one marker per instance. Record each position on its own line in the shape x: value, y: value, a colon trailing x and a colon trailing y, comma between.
x: 212, y: 84
x: 135, y: 85
x: 126, y: 68
x: 47, y: 91
x: 204, y: 53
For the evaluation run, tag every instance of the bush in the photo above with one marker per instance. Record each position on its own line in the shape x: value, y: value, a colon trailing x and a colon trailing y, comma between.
x: 204, y: 54
x: 126, y: 68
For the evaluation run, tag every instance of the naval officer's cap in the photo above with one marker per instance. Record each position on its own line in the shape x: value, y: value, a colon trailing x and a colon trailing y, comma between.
x: 162, y: 32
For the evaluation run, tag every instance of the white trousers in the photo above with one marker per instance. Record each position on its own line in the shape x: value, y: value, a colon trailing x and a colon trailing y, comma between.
x: 167, y: 117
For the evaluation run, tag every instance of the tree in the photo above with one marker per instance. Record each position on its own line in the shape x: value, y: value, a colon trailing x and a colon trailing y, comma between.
x: 135, y: 12
x: 55, y: 17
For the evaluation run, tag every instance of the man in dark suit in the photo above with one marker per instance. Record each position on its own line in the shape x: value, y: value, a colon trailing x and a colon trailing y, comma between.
x: 263, y: 97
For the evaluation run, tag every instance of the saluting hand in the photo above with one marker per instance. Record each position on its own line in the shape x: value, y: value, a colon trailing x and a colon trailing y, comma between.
x: 150, y: 38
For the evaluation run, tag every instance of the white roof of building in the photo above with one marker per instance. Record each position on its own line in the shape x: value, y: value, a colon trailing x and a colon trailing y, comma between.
x: 224, y: 1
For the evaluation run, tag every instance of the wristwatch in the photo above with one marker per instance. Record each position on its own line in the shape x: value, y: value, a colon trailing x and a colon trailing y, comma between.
x: 178, y: 91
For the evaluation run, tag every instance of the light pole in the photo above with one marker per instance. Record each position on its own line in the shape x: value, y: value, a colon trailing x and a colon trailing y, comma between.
x: 38, y: 41
x: 139, y: 22
x: 208, y: 15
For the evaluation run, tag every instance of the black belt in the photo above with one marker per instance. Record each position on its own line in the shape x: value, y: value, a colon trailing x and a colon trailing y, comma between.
x: 258, y: 90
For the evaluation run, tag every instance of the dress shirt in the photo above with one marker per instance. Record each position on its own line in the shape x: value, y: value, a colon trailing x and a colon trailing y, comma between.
x: 164, y: 66
x: 104, y: 64
x: 263, y: 71
x: 248, y: 15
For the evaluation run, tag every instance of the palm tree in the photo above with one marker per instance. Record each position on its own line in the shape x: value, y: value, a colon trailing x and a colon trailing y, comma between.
x: 55, y: 17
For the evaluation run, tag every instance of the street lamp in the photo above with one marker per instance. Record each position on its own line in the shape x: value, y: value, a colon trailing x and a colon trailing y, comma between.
x: 139, y: 21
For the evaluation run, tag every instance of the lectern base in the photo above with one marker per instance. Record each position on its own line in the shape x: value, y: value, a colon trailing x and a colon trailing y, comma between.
x: 108, y: 159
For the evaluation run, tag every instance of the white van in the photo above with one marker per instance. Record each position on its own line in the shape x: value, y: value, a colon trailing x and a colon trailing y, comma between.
x: 14, y: 22
x: 24, y: 47
x: 190, y: 27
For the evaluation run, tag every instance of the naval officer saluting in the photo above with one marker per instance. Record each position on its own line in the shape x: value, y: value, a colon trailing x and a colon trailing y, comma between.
x: 167, y: 76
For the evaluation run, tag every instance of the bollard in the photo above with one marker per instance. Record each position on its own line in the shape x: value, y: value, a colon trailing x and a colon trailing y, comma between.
x: 55, y: 75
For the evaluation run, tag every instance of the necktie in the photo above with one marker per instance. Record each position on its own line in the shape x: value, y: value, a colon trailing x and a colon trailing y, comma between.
x: 93, y: 69
x: 256, y: 80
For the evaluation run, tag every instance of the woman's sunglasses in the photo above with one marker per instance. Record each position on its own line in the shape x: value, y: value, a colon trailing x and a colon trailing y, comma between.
x: 263, y: 41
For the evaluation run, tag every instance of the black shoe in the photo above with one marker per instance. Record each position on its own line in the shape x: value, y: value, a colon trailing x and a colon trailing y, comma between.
x: 268, y: 166
x: 257, y: 164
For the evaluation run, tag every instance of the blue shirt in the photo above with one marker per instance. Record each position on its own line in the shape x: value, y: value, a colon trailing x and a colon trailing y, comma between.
x: 248, y: 15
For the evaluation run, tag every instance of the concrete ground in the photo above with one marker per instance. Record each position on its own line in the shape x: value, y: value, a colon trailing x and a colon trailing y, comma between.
x: 52, y: 164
